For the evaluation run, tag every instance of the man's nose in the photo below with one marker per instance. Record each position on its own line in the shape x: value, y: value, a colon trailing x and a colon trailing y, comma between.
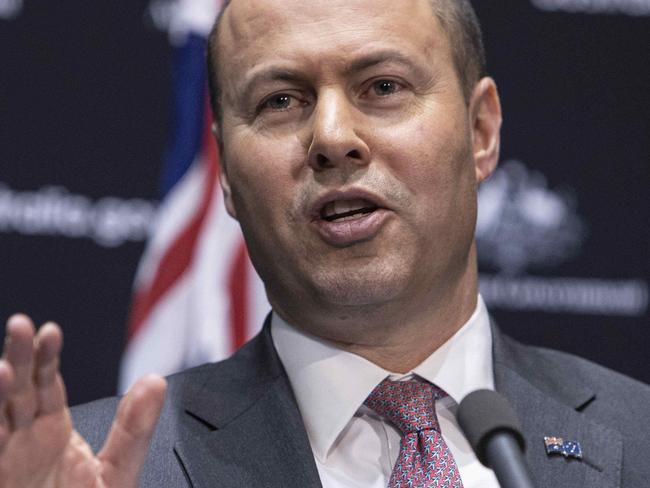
x: 336, y: 139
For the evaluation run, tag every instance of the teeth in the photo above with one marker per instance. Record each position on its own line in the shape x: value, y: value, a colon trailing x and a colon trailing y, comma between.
x: 340, y: 207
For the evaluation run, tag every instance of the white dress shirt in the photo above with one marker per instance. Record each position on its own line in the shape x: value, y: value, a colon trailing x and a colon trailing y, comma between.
x: 352, y: 445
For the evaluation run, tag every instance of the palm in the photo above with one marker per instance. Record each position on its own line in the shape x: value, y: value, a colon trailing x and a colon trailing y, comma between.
x: 25, y: 446
x: 38, y: 446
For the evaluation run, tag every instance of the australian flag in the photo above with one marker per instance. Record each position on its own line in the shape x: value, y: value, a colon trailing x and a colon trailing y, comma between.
x: 557, y: 445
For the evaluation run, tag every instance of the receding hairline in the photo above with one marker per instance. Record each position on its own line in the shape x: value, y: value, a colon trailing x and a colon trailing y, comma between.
x: 456, y: 17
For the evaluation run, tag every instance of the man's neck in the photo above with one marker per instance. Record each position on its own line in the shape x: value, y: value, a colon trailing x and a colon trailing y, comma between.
x: 405, y: 347
x: 396, y: 338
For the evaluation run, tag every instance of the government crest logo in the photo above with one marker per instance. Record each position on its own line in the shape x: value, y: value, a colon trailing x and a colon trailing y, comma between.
x: 525, y: 232
x: 522, y: 224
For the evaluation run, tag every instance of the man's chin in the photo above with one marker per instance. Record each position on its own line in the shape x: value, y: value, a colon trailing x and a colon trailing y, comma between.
x: 359, y: 291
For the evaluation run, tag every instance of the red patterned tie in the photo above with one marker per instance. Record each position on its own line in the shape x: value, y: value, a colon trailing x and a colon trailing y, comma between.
x: 424, y: 458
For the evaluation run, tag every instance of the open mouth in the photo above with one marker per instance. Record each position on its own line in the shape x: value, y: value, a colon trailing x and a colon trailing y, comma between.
x: 343, y: 210
x: 346, y: 218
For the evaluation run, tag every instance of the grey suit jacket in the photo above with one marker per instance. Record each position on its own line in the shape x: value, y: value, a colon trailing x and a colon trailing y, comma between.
x: 236, y: 424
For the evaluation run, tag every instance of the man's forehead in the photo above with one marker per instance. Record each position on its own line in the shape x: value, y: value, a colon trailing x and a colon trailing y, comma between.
x: 244, y: 13
x: 271, y: 28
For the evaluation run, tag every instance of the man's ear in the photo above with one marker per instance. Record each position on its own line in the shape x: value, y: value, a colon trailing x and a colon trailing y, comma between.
x: 485, y: 111
x: 227, y: 192
x: 223, y: 174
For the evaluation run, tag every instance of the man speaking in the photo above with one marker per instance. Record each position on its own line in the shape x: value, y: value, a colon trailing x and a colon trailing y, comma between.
x: 354, y: 135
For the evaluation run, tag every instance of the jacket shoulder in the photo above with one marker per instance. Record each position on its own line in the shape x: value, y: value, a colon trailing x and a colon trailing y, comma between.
x: 607, y: 397
x: 253, y: 365
x: 94, y: 419
x: 561, y: 367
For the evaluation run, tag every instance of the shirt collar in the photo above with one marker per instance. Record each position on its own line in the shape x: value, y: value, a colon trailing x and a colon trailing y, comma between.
x: 463, y: 363
x: 328, y: 395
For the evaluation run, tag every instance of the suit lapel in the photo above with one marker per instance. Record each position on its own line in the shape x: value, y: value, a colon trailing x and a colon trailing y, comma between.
x: 549, y: 403
x: 251, y: 436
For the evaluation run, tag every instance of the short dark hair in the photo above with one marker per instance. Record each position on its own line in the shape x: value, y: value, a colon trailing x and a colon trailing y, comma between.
x: 457, y: 18
x: 460, y: 22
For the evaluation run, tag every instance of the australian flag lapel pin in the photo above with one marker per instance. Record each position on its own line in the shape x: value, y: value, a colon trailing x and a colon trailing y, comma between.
x: 568, y: 449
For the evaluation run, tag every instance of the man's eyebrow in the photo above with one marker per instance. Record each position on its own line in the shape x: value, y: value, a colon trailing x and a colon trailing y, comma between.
x: 381, y: 57
x: 268, y: 75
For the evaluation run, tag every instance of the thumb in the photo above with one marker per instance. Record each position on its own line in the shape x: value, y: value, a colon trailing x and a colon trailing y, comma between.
x: 128, y: 441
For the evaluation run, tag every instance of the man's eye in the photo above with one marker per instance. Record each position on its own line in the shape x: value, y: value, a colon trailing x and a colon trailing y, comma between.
x: 281, y: 101
x: 385, y: 87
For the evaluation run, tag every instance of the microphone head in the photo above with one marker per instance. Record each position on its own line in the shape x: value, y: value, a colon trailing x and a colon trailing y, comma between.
x: 484, y: 413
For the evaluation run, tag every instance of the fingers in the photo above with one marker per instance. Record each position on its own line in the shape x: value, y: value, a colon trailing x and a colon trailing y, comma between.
x: 31, y: 384
x: 50, y: 391
x: 19, y: 354
x: 6, y: 379
x: 128, y: 441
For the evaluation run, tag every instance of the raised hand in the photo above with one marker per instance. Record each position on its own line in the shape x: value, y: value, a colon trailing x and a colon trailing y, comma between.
x: 38, y: 445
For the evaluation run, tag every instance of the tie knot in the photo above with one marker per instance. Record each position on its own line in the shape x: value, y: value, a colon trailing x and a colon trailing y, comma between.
x: 408, y: 404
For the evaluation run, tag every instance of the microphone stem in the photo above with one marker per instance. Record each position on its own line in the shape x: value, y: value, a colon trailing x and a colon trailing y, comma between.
x: 505, y: 458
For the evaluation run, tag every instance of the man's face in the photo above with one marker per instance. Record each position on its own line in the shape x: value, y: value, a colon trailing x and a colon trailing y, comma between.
x: 348, y: 151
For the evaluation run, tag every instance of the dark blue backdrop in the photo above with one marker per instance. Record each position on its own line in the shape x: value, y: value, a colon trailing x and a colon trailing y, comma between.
x: 84, y: 95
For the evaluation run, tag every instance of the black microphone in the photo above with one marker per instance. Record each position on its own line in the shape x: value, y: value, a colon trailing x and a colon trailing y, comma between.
x: 493, y: 431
